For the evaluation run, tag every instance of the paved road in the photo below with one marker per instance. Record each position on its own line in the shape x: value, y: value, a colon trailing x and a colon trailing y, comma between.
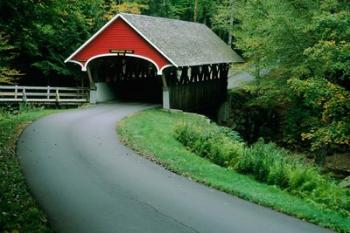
x: 236, y: 79
x: 88, y: 182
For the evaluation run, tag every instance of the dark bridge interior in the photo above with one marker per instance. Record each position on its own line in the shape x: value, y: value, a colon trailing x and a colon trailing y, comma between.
x: 131, y: 79
x: 200, y: 88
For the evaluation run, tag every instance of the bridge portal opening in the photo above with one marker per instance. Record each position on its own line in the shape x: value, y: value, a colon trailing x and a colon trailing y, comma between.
x: 126, y: 79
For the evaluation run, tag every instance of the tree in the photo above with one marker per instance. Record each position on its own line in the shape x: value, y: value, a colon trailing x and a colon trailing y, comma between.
x: 223, y: 20
x: 195, y: 11
x: 305, y: 46
x: 45, y: 33
x: 188, y: 10
x: 114, y: 8
x: 7, y: 74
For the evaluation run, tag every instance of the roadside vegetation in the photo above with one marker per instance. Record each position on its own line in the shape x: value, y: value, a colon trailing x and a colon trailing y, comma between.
x: 302, y: 47
x: 190, y: 145
x: 33, y: 47
x: 302, y: 102
x: 19, y: 212
x: 266, y: 162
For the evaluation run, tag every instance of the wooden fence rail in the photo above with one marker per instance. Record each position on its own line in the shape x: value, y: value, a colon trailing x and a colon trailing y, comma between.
x: 59, y: 95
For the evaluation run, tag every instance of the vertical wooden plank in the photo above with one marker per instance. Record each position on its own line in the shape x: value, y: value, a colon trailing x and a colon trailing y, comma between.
x: 165, y: 85
x: 166, y: 93
x: 24, y: 95
x: 16, y: 92
x: 57, y: 96
x: 199, y: 88
x: 92, y: 83
x: 48, y: 92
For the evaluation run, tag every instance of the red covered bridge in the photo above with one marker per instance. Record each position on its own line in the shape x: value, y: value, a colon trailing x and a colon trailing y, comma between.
x: 136, y: 57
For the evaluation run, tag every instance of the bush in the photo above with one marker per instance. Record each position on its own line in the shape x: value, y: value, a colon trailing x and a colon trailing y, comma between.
x: 218, y: 144
x: 271, y: 164
x: 266, y: 162
x: 263, y: 161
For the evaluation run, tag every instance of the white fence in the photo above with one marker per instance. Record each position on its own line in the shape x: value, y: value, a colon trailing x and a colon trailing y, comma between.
x: 29, y: 94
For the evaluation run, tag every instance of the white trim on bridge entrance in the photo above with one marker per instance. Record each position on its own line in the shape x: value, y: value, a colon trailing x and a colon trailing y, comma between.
x: 84, y: 66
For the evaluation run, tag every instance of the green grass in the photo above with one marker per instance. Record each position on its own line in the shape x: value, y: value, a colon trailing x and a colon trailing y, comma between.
x: 19, y: 212
x: 152, y: 134
x: 266, y: 162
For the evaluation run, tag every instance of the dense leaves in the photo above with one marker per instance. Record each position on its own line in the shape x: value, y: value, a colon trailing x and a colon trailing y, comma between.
x: 152, y: 134
x: 7, y: 74
x: 113, y: 8
x: 213, y: 143
x: 305, y: 46
x: 266, y: 162
x: 44, y: 33
x: 189, y: 10
x: 19, y: 212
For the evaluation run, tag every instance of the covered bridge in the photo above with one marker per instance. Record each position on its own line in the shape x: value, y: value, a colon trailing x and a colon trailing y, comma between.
x: 182, y: 64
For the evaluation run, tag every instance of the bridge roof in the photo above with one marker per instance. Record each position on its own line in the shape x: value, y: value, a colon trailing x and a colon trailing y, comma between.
x: 181, y: 43
x: 185, y: 43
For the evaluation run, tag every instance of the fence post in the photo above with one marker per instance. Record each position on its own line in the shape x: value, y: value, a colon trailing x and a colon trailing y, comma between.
x: 57, y: 96
x: 16, y: 92
x: 24, y: 96
x: 48, y: 92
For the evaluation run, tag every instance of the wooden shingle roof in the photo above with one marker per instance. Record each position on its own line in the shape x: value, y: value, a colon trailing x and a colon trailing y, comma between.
x: 180, y: 42
x: 184, y: 43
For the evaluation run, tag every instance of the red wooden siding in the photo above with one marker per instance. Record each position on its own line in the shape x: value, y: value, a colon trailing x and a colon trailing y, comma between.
x: 120, y: 36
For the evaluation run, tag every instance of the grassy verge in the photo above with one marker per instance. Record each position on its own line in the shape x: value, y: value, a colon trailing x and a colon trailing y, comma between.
x: 152, y: 133
x: 18, y: 210
x: 266, y: 162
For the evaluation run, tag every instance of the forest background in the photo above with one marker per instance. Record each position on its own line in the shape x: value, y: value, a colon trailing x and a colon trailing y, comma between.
x: 302, y: 102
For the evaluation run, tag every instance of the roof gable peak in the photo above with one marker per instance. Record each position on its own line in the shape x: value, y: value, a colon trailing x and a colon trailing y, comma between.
x: 182, y: 43
x: 117, y: 16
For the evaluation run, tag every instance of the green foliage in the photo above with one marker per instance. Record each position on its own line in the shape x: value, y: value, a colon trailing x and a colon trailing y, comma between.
x: 219, y: 145
x: 252, y: 119
x: 114, y: 8
x: 183, y: 9
x: 330, y: 106
x: 223, y: 20
x: 19, y: 211
x: 306, y: 49
x: 271, y: 164
x: 7, y: 74
x: 266, y: 163
x: 45, y: 33
x: 151, y: 133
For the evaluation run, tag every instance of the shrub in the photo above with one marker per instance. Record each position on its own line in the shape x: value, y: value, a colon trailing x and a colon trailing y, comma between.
x: 215, y: 143
x: 271, y: 164
x: 266, y: 162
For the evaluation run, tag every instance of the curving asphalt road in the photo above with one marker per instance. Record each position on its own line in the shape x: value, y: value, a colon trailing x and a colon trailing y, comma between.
x: 88, y: 182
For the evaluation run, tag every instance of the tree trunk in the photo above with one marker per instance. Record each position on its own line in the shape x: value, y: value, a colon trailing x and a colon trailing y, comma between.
x: 229, y: 42
x: 195, y: 12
